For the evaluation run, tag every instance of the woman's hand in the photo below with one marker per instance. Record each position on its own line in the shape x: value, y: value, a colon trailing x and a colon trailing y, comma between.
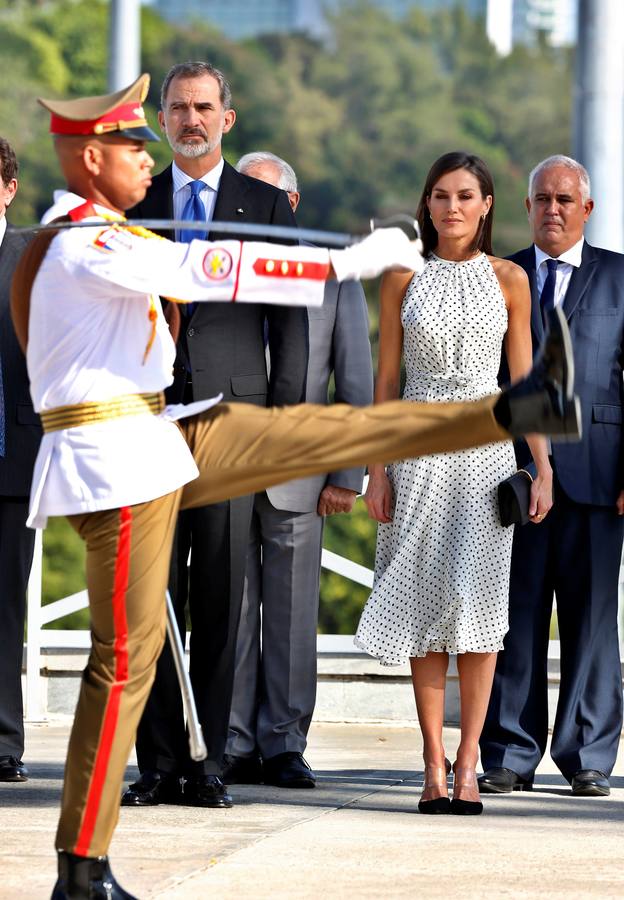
x: 541, y: 499
x: 378, y: 497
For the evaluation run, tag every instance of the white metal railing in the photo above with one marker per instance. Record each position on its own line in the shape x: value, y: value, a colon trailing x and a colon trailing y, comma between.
x: 39, y: 615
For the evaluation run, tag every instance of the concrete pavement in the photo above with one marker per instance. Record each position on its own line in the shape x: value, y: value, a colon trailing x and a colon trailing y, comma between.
x: 357, y: 835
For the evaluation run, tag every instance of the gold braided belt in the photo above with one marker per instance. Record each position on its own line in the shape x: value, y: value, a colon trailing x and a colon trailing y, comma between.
x: 75, y: 415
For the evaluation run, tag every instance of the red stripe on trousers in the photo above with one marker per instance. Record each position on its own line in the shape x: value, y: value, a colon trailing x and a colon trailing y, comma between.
x: 111, y: 715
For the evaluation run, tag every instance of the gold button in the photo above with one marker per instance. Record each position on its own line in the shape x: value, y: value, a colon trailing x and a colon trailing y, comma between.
x: 284, y: 268
x: 270, y: 265
x: 299, y: 268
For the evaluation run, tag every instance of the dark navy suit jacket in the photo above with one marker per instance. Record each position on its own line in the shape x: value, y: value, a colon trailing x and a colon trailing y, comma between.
x: 592, y: 470
x: 22, y: 426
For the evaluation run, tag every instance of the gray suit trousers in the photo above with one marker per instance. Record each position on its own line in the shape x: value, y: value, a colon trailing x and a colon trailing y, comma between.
x: 274, y: 699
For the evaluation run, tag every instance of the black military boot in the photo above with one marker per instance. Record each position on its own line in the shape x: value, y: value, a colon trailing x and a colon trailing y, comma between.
x: 544, y: 401
x: 86, y: 878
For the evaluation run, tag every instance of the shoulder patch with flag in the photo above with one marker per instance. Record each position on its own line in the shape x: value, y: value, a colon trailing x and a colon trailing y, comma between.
x: 113, y: 239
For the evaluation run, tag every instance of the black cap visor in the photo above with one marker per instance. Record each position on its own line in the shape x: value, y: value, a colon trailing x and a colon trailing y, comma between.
x: 141, y: 133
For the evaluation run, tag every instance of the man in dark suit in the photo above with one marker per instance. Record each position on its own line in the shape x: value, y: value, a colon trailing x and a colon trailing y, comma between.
x: 576, y: 550
x: 20, y: 433
x: 220, y: 350
x: 275, y: 681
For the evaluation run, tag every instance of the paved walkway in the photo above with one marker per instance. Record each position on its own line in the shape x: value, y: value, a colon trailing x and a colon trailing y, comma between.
x: 357, y: 835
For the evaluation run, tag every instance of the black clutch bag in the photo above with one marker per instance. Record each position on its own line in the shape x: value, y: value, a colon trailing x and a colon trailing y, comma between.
x: 514, y: 494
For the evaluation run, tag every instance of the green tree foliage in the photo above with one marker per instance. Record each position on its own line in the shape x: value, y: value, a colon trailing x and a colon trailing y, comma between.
x: 361, y: 117
x: 342, y: 600
x: 63, y: 569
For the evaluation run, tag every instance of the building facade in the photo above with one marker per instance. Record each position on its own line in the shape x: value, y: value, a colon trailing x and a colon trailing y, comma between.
x: 509, y: 22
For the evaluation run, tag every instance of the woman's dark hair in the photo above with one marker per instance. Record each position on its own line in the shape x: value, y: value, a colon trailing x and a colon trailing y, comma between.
x: 450, y: 162
x: 8, y: 162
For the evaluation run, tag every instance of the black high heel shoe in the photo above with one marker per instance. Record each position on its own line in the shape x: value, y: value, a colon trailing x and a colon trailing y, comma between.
x: 465, y: 777
x: 435, y: 776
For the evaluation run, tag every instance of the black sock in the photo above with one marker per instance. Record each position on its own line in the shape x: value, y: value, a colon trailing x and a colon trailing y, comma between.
x: 501, y: 411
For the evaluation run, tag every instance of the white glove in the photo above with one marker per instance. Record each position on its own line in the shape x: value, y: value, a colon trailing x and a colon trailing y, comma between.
x: 385, y: 248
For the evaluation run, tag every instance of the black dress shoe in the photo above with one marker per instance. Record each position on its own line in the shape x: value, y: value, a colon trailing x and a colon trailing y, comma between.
x: 12, y: 769
x: 590, y: 783
x: 544, y: 400
x: 242, y: 769
x: 86, y: 878
x: 153, y: 788
x: 206, y: 790
x: 288, y: 770
x: 503, y: 781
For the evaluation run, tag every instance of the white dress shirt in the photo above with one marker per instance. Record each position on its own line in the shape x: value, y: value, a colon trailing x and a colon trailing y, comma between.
x: 3, y: 228
x: 207, y: 195
x: 568, y: 261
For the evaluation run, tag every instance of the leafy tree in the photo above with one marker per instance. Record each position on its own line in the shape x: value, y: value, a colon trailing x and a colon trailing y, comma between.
x: 361, y: 117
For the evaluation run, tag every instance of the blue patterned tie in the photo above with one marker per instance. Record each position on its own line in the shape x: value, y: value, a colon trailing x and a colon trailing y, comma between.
x: 547, y: 297
x: 193, y: 211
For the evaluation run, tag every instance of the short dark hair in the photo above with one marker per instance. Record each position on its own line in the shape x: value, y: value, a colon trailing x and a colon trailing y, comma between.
x: 9, y: 166
x: 197, y: 70
x: 450, y: 162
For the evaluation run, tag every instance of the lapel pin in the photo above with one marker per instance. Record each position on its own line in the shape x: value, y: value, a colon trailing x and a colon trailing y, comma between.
x: 239, y: 211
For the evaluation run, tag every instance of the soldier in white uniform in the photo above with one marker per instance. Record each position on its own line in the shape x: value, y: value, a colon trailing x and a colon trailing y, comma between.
x: 120, y: 466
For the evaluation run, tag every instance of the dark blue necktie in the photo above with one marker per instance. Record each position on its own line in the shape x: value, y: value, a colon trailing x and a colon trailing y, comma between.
x: 193, y: 211
x: 547, y: 297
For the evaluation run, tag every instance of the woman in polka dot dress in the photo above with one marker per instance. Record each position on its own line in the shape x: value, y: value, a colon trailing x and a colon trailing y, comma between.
x: 443, y: 559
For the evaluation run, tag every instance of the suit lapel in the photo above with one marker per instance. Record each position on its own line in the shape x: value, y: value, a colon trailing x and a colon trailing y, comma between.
x: 537, y: 323
x: 526, y: 259
x: 230, y: 199
x: 158, y: 203
x: 8, y: 251
x: 580, y: 280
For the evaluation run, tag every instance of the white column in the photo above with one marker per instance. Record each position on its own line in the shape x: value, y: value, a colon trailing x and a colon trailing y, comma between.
x: 599, y: 107
x: 124, y: 55
x: 499, y: 25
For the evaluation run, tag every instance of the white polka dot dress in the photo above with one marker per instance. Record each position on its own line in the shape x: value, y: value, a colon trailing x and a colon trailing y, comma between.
x: 442, y: 565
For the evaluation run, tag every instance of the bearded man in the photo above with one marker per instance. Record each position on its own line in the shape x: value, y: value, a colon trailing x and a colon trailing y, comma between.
x: 220, y: 350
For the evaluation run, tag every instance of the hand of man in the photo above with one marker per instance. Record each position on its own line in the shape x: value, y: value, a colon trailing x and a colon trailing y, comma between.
x: 385, y: 248
x: 619, y: 504
x: 334, y: 499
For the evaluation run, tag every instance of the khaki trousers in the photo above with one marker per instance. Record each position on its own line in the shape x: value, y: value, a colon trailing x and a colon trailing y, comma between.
x: 239, y: 449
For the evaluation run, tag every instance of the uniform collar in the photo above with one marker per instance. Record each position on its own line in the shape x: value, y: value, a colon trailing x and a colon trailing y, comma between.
x: 66, y: 201
x: 572, y: 256
x: 211, y: 179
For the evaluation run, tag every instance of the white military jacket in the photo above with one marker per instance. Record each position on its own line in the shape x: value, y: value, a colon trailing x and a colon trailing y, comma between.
x: 92, y: 338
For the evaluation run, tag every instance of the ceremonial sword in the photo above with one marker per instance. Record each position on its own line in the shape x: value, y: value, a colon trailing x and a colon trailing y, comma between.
x: 249, y: 229
x: 197, y: 745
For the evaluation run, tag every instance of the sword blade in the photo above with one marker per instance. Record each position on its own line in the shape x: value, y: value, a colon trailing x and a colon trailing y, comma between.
x: 249, y: 229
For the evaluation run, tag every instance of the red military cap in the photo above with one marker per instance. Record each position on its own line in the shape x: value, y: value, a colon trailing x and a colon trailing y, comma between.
x: 121, y: 112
